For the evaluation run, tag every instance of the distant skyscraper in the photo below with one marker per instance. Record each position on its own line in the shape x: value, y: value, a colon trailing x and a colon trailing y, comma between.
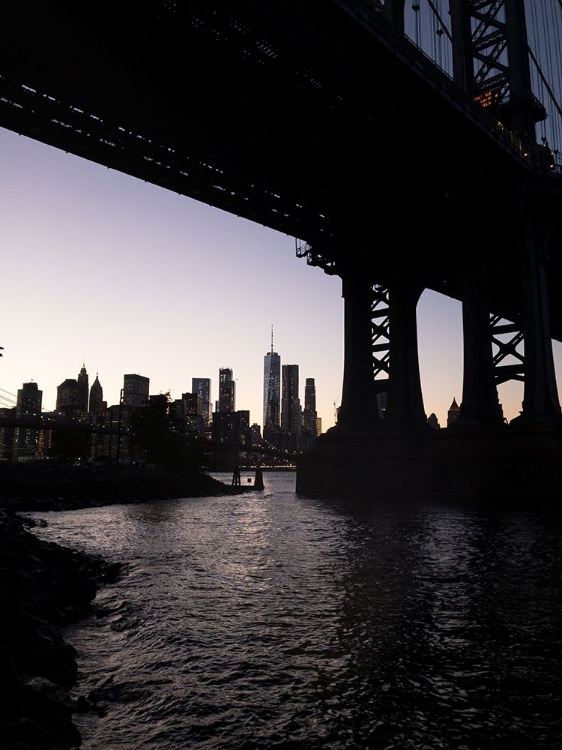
x: 226, y: 402
x: 310, y: 395
x: 7, y: 433
x: 202, y: 386
x: 454, y: 413
x: 135, y: 390
x: 231, y: 428
x: 191, y: 412
x: 243, y: 427
x: 82, y: 390
x: 433, y: 422
x: 72, y: 395
x: 271, y: 387
x: 290, y: 404
x: 97, y: 404
x: 309, y: 413
x: 28, y: 405
x: 29, y: 400
x: 67, y: 397
x: 255, y: 434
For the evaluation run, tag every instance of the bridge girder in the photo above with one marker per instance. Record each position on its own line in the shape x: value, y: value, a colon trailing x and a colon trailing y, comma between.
x: 315, y: 119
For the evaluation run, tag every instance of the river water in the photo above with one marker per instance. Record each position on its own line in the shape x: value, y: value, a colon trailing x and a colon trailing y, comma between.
x: 269, y: 620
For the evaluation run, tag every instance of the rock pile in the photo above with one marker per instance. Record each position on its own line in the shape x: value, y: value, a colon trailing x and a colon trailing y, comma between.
x: 43, y: 587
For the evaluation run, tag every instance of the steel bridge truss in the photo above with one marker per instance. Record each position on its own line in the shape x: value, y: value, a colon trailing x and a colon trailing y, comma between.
x: 491, y: 61
x: 506, y: 337
x: 507, y: 342
x: 380, y: 343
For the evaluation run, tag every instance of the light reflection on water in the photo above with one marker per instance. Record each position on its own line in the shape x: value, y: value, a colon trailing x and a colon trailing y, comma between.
x: 266, y: 620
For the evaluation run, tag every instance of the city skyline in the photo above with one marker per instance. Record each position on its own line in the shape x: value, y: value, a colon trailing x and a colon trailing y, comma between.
x: 87, y: 235
x: 123, y: 276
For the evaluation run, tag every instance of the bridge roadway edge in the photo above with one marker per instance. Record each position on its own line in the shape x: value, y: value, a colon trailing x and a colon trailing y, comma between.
x: 508, y: 464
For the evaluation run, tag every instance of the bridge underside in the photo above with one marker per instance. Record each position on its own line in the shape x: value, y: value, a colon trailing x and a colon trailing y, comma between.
x: 298, y: 116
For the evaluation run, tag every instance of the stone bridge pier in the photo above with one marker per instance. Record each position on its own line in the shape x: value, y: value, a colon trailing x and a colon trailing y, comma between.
x: 382, y: 444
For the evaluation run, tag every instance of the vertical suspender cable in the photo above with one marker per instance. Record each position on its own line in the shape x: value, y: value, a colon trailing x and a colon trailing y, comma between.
x: 556, y: 49
x: 417, y: 23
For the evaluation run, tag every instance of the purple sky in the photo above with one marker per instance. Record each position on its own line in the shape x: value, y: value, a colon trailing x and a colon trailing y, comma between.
x: 103, y: 269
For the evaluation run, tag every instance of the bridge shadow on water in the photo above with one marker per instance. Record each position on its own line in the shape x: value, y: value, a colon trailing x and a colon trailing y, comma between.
x: 454, y: 611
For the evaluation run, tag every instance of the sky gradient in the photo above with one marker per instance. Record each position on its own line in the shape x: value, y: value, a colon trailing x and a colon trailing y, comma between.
x: 105, y: 270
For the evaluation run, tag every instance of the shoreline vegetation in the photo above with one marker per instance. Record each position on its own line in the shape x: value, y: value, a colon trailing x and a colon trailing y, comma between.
x: 44, y: 587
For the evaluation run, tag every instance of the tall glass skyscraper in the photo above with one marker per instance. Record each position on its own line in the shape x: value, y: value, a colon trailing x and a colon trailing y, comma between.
x: 309, y: 413
x: 272, y: 388
x: 227, y: 393
x: 202, y: 387
x: 291, y: 405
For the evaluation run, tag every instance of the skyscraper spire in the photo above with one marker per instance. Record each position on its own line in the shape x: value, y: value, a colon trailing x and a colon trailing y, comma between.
x: 97, y: 403
x: 272, y: 338
x: 83, y: 391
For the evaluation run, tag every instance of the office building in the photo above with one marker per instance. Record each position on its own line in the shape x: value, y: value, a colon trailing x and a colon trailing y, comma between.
x: 83, y: 391
x: 309, y: 412
x: 271, y: 388
x: 226, y: 401
x: 73, y: 396
x: 231, y: 428
x: 135, y: 390
x: 255, y: 434
x: 69, y: 399
x: 96, y: 404
x: 202, y: 386
x: 29, y: 403
x: 290, y: 404
x: 191, y: 413
x: 244, y: 435
x: 7, y: 433
x: 224, y: 428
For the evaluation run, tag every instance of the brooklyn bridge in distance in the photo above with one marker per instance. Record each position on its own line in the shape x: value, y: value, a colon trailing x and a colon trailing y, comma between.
x: 322, y: 120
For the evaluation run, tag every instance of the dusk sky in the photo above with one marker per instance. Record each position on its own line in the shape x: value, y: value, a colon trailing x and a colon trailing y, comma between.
x: 105, y: 270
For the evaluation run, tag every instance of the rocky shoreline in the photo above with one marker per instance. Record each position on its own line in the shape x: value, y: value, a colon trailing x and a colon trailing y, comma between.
x: 44, y: 586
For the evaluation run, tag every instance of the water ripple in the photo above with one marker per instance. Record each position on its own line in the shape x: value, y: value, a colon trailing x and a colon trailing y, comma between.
x: 267, y: 621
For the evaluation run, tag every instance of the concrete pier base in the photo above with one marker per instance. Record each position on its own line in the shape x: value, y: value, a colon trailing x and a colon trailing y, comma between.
x: 506, y: 462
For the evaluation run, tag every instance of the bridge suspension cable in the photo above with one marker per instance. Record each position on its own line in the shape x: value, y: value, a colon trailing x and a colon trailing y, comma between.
x: 9, y: 400
x: 544, y: 30
x: 428, y: 26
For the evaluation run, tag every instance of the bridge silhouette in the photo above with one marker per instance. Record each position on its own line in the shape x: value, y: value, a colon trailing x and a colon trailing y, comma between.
x: 324, y: 121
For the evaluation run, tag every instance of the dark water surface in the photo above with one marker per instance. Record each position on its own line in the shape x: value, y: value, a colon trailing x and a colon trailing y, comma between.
x: 267, y: 620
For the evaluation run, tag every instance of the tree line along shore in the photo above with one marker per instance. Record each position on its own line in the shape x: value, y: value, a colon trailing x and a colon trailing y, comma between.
x: 44, y: 587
